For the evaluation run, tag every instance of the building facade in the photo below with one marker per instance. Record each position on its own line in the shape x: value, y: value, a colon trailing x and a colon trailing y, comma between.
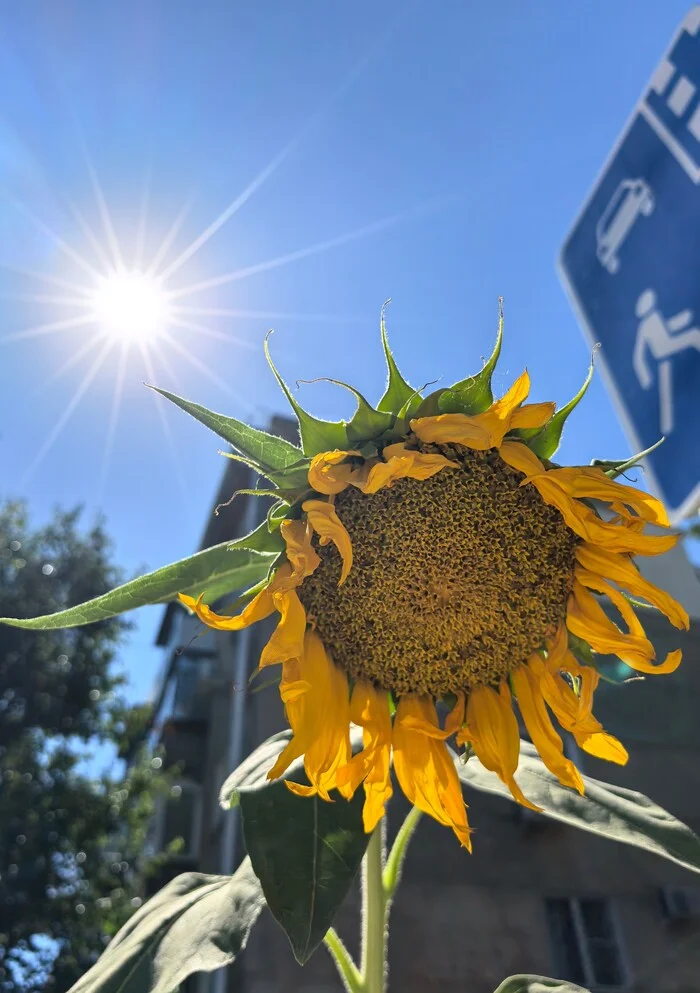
x: 536, y: 896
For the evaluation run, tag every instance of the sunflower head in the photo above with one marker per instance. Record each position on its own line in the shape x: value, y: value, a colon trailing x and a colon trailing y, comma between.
x: 432, y: 553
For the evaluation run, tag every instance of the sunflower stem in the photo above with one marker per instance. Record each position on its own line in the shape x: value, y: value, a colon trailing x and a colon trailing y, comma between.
x: 349, y: 973
x: 374, y: 906
x: 394, y: 863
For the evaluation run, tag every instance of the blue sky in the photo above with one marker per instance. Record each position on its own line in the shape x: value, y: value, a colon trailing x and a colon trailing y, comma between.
x: 453, y: 142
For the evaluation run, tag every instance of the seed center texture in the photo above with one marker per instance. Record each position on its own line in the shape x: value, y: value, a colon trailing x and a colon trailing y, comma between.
x: 456, y: 579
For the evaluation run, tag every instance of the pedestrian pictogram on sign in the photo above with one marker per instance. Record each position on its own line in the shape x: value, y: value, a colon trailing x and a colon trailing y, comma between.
x: 631, y: 266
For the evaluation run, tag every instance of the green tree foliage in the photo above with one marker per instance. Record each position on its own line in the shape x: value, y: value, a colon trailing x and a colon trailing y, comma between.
x: 74, y: 851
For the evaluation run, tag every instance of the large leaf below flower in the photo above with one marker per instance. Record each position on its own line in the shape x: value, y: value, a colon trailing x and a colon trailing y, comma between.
x: 196, y: 923
x: 305, y: 851
x: 610, y: 811
x: 537, y: 984
x: 228, y: 566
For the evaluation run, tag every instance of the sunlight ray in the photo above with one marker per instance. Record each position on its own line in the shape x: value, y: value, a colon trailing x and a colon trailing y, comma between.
x: 65, y: 416
x: 313, y: 120
x: 167, y: 431
x: 229, y: 211
x: 87, y: 347
x: 91, y: 237
x: 140, y: 243
x: 105, y: 216
x: 197, y: 363
x: 46, y: 298
x: 167, y: 365
x: 212, y: 333
x: 270, y: 315
x: 41, y: 329
x: 167, y: 242
x: 113, y: 419
x: 58, y: 241
x: 302, y: 253
x: 44, y: 277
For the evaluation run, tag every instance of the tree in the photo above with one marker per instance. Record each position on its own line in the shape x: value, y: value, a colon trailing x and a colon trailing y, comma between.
x: 72, y: 862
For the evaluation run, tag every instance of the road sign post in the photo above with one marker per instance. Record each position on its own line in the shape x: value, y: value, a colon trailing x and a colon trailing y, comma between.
x: 631, y: 266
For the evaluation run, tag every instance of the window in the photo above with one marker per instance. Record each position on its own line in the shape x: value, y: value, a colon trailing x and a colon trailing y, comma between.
x: 586, y: 942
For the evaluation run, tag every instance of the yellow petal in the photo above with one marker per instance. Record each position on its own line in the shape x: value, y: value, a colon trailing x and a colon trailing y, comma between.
x: 327, y: 474
x: 519, y: 456
x: 478, y: 431
x: 494, y: 736
x: 456, y: 717
x: 369, y: 709
x: 558, y: 649
x: 300, y: 552
x: 260, y: 607
x: 402, y: 462
x: 287, y: 639
x: 329, y: 527
x: 425, y: 770
x: 587, y: 620
x: 591, y: 482
x: 603, y: 746
x: 621, y: 571
x: 540, y: 728
x: 319, y: 719
x: 532, y: 415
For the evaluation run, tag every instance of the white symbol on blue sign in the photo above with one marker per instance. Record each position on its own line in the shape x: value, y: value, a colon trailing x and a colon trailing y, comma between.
x: 664, y: 338
x: 632, y: 198
x: 631, y: 265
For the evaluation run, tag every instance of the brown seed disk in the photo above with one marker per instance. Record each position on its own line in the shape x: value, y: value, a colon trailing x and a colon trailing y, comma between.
x: 456, y: 580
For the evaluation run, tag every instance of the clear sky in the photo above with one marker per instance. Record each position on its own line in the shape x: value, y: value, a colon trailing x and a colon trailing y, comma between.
x: 454, y: 141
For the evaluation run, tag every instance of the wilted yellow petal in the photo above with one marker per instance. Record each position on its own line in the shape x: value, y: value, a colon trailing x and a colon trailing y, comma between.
x: 621, y: 571
x: 329, y: 527
x: 425, y: 770
x: 532, y: 415
x: 300, y: 552
x: 591, y: 482
x: 319, y: 719
x: 369, y: 709
x: 540, y: 728
x: 328, y: 473
x: 260, y: 607
x: 287, y: 640
x: 493, y: 734
x: 402, y: 462
x: 587, y: 620
x: 477, y: 431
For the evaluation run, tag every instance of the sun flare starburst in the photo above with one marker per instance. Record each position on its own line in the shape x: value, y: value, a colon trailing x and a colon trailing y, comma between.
x: 131, y: 306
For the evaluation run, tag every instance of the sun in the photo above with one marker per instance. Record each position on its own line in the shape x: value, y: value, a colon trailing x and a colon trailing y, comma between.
x: 130, y: 306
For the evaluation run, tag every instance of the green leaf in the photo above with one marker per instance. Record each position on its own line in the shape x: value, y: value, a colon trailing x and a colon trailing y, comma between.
x: 197, y: 923
x: 316, y: 435
x: 305, y: 851
x: 397, y: 393
x: 610, y: 811
x: 537, y: 984
x: 545, y: 442
x: 212, y: 572
x: 474, y: 395
x: 264, y: 450
x: 615, y: 467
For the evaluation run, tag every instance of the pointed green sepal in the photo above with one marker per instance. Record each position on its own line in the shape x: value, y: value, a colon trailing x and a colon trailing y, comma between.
x: 366, y: 423
x: 474, y: 395
x: 615, y: 467
x: 264, y: 452
x: 397, y: 392
x: 316, y: 435
x: 545, y: 441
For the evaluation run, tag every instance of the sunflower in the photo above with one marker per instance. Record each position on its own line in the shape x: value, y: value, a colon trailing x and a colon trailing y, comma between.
x: 441, y: 563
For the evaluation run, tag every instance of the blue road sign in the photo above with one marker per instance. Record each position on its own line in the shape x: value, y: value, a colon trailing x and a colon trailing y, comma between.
x: 631, y: 266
